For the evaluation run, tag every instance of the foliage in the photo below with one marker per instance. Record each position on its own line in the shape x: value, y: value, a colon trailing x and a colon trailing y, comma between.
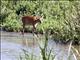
x: 61, y: 17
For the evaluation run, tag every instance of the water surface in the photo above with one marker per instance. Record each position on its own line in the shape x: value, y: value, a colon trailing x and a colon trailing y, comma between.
x: 12, y: 45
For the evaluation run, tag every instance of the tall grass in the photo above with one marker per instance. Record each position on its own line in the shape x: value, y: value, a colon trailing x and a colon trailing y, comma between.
x: 44, y: 53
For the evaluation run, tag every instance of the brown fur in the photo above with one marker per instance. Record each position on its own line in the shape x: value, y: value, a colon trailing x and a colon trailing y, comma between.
x: 30, y: 20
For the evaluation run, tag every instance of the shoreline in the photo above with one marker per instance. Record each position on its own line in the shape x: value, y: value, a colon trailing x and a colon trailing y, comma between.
x: 57, y: 41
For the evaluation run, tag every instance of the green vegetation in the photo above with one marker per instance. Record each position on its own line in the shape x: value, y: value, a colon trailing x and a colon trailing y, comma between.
x: 62, y: 18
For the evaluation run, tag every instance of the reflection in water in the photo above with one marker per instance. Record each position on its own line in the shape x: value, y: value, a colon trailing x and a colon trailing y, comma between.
x: 29, y: 41
x: 12, y: 43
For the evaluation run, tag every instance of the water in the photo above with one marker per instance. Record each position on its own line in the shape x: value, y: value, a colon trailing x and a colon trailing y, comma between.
x: 12, y: 45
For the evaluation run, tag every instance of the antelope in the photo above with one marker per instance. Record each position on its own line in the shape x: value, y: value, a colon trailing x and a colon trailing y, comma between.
x: 30, y: 20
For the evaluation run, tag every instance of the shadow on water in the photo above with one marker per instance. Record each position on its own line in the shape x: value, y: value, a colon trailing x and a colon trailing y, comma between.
x: 12, y: 43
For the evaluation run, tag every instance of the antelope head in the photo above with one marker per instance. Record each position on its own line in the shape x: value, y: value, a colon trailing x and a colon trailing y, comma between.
x: 38, y: 19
